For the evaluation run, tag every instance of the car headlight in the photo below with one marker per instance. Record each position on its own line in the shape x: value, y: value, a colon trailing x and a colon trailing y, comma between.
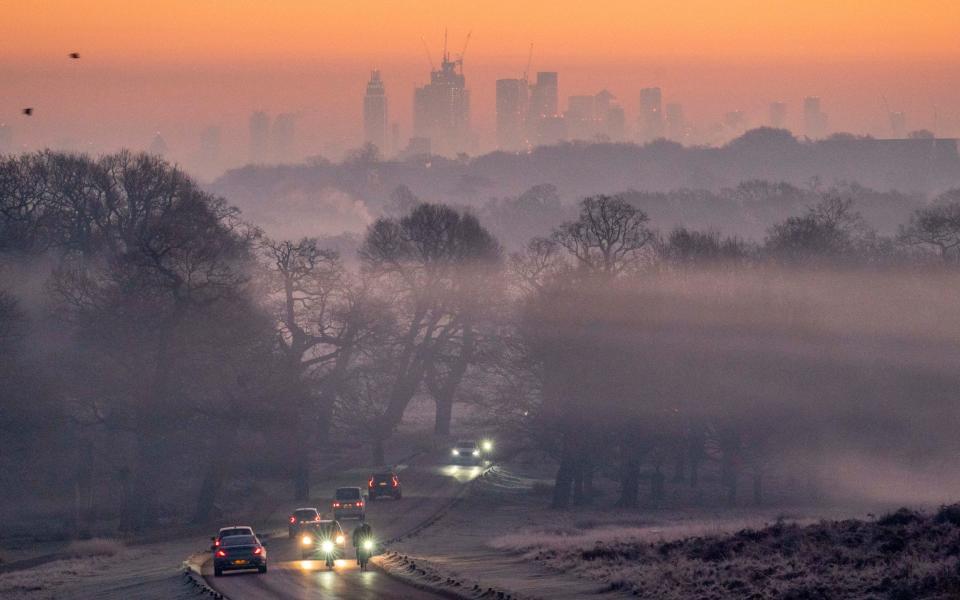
x: 341, y: 539
x: 487, y: 446
x: 368, y: 544
x: 306, y: 540
x: 454, y: 452
x: 476, y: 453
x: 327, y: 546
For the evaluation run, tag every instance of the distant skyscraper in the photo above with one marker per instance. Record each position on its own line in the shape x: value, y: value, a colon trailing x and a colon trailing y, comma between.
x: 814, y: 119
x: 610, y: 115
x: 778, y: 115
x: 676, y: 124
x: 581, y: 117
x: 651, y: 114
x: 602, y: 101
x: 545, y: 96
x: 259, y: 137
x: 375, y: 113
x: 898, y: 125
x: 543, y: 110
x: 616, y: 123
x: 283, y: 137
x: 441, y: 109
x: 511, y: 107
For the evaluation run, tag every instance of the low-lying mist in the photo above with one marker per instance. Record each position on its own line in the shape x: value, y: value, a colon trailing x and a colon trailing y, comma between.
x: 846, y: 377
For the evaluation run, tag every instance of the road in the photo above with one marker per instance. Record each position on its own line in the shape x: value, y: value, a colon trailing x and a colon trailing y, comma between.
x: 427, y: 489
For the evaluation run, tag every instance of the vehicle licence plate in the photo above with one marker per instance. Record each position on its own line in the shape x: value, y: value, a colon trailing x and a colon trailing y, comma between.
x: 383, y: 483
x: 239, y: 562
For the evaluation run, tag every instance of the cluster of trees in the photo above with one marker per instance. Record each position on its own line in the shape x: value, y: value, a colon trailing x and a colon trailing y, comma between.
x: 669, y: 180
x: 156, y: 345
x: 641, y: 349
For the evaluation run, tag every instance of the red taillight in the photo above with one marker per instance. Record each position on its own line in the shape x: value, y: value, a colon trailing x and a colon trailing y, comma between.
x: 221, y: 553
x: 216, y: 542
x: 258, y: 551
x: 293, y: 519
x: 360, y: 504
x: 336, y: 505
x: 370, y: 483
x: 396, y: 482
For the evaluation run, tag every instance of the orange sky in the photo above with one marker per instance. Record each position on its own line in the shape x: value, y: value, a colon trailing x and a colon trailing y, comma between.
x: 149, y: 64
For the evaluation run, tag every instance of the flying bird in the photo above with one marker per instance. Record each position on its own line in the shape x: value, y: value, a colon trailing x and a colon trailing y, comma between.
x: 28, y: 111
x: 74, y: 55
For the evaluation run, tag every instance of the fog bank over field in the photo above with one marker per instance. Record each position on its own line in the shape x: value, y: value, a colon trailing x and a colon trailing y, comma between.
x: 143, y: 320
x: 846, y: 378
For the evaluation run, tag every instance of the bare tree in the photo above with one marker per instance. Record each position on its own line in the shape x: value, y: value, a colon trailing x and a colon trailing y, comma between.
x: 430, y: 262
x: 936, y: 226
x: 323, y: 318
x: 610, y: 236
x: 830, y: 229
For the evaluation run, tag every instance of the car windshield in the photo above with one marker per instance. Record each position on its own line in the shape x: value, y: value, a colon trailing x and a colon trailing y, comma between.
x: 383, y: 476
x: 306, y: 515
x: 239, y: 540
x: 467, y: 445
x: 348, y: 494
x: 236, y: 531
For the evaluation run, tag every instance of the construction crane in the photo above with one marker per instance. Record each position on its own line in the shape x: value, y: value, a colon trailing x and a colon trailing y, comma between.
x: 464, y: 51
x: 427, y: 50
x: 526, y: 70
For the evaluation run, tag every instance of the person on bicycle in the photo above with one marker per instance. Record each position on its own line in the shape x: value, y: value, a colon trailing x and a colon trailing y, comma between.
x: 361, y: 534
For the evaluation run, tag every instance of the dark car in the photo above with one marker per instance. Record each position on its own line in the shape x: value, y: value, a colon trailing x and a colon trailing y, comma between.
x: 384, y: 484
x: 239, y: 552
x: 325, y: 540
x: 348, y: 504
x: 302, y: 518
x: 229, y: 531
x: 467, y: 453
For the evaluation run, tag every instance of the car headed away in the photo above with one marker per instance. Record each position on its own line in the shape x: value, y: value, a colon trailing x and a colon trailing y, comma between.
x: 237, y: 552
x: 229, y: 531
x: 302, y: 518
x: 384, y: 484
x: 348, y: 504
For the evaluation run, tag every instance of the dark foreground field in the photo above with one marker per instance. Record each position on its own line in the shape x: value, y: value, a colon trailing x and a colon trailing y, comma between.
x: 902, y: 555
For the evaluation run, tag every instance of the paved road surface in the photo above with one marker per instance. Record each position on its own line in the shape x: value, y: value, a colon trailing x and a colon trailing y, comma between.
x: 427, y: 489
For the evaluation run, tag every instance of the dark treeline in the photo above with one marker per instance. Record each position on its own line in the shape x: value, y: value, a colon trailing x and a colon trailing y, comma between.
x: 893, y: 177
x: 145, y: 328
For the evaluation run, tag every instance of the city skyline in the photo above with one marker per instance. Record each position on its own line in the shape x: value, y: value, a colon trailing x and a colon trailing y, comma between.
x: 125, y: 90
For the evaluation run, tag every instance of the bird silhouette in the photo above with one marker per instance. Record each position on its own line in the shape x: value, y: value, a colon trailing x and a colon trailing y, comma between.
x: 74, y: 55
x: 28, y: 111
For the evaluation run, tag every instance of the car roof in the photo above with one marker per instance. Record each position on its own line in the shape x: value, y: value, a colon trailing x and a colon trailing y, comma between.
x: 236, y: 527
x: 348, y: 488
x: 306, y: 508
x: 385, y: 474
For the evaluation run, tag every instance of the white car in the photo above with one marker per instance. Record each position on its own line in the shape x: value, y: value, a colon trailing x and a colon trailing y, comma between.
x: 467, y: 452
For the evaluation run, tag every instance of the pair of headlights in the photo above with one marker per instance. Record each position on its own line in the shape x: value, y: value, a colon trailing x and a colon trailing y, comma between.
x: 326, y: 546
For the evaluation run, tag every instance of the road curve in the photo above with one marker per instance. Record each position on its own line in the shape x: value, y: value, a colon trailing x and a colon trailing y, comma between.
x: 428, y: 488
